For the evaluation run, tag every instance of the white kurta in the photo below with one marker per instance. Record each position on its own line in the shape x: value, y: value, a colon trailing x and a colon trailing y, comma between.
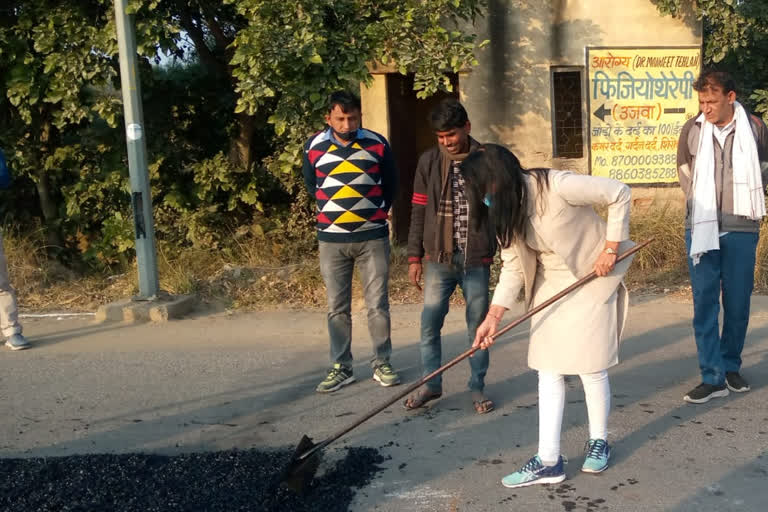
x: 564, y: 237
x: 580, y: 333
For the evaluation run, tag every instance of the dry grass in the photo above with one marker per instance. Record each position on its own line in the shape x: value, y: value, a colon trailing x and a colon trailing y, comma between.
x: 264, y: 274
x: 761, y: 263
x: 663, y: 263
x: 43, y: 285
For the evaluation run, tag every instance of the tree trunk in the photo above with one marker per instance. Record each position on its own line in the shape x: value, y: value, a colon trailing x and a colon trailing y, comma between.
x: 47, y: 204
x: 240, y: 151
x: 50, y: 211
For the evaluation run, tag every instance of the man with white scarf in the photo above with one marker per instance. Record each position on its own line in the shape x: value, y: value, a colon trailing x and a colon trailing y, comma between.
x: 722, y: 159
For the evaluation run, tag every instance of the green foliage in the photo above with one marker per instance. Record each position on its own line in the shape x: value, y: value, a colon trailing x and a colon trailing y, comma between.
x: 49, y: 64
x: 735, y: 38
x: 291, y: 55
x: 97, y: 202
x: 224, y: 124
x: 760, y: 98
x: 198, y: 195
x: 225, y: 197
x: 56, y: 74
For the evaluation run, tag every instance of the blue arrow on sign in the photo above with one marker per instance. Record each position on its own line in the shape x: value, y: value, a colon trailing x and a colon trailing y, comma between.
x: 601, y: 112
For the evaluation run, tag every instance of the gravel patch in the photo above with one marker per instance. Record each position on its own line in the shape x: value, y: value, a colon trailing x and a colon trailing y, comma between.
x: 215, y: 481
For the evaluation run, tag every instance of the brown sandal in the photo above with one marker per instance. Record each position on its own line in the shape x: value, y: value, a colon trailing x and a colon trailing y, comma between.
x: 419, y: 399
x: 482, y: 404
x: 483, y: 407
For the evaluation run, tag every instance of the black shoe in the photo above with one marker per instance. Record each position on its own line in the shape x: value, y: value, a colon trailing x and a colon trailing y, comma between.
x: 736, y: 382
x: 704, y: 392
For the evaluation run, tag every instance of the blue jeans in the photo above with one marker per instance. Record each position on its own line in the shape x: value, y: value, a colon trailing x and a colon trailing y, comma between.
x: 440, y: 280
x: 730, y: 270
x: 337, y: 264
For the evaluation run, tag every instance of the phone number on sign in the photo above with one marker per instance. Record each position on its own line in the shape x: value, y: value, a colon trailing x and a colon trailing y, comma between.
x: 643, y: 173
x: 657, y: 159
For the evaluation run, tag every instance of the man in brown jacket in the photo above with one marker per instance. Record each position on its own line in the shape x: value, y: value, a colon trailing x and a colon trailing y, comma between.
x: 722, y: 159
x: 457, y: 250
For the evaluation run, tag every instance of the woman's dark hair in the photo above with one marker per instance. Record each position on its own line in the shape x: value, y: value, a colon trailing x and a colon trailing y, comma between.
x: 495, y: 172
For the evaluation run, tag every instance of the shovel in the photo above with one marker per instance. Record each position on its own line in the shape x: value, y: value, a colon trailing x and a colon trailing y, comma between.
x: 303, y: 465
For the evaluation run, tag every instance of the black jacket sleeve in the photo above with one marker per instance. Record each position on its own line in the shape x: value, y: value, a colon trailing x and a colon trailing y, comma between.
x: 684, y: 160
x: 418, y: 210
x: 762, y: 147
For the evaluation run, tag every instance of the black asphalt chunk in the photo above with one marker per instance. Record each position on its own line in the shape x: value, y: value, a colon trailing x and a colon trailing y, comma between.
x: 235, y: 480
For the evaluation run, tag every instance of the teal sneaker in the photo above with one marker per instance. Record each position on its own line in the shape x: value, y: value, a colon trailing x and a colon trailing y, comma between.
x: 338, y: 377
x: 534, y: 472
x: 17, y: 342
x: 598, y: 452
x: 385, y: 375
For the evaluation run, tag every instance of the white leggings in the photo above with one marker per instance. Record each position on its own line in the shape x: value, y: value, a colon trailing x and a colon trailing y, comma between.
x: 597, y: 393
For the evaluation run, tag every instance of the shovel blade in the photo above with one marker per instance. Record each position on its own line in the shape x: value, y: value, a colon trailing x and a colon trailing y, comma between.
x: 298, y: 473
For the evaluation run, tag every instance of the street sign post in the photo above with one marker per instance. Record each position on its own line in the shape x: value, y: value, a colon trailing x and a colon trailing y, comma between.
x: 141, y: 198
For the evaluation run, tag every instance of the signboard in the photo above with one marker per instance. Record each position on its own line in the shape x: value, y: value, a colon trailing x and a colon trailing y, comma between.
x: 638, y: 101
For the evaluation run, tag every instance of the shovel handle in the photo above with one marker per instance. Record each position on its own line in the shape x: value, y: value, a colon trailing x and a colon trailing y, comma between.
x: 466, y: 354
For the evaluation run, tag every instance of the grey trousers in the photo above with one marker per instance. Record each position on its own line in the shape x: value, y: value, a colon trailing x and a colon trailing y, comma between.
x: 337, y: 263
x: 9, y: 312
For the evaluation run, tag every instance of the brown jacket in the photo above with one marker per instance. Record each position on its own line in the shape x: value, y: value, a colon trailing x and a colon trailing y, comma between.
x: 425, y: 223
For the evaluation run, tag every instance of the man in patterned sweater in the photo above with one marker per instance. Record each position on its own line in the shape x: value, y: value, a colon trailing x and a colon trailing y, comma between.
x: 351, y: 173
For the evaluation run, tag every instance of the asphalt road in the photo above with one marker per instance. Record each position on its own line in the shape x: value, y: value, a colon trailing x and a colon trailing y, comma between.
x: 247, y: 381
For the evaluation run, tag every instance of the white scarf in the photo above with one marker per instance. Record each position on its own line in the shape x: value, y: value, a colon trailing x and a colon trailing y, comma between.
x: 748, y: 195
x: 748, y: 199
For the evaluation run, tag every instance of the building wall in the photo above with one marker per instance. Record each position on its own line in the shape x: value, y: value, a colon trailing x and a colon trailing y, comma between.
x: 374, y: 100
x: 508, y: 94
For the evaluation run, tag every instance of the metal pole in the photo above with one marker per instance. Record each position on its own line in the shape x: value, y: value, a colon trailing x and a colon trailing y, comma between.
x: 137, y: 155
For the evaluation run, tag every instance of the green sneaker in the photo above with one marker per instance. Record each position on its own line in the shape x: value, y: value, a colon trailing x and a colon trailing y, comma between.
x: 598, y: 452
x: 385, y: 375
x: 338, y: 377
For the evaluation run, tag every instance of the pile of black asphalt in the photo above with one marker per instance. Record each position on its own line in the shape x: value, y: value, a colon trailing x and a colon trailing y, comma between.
x: 234, y: 480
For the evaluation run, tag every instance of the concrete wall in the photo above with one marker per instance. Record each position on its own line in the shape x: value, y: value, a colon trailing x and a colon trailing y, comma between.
x: 508, y: 94
x: 375, y: 105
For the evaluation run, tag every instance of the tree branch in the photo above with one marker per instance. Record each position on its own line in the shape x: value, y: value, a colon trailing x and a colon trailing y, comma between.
x: 198, y: 38
x: 214, y: 26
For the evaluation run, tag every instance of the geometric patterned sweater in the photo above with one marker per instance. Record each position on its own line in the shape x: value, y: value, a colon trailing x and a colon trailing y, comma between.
x: 354, y: 185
